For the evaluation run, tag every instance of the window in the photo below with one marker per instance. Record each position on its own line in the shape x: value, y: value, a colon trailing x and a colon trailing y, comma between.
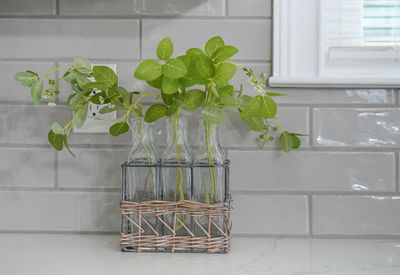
x: 340, y: 43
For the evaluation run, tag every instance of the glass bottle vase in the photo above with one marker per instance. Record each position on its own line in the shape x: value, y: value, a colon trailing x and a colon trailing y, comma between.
x: 141, y: 176
x: 175, y: 172
x: 209, y: 177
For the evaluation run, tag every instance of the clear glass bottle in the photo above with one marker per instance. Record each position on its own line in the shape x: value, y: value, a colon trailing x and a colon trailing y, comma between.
x: 209, y: 175
x: 141, y: 176
x: 175, y: 171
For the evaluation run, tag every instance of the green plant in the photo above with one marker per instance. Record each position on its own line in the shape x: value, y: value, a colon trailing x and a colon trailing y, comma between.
x: 178, y: 80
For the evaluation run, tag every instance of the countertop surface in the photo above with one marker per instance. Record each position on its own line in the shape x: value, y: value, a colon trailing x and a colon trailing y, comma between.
x: 59, y: 254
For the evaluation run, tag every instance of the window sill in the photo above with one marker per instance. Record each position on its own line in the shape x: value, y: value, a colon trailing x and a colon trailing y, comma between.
x: 334, y: 82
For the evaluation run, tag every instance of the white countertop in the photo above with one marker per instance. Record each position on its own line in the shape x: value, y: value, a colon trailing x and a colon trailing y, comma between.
x: 59, y: 254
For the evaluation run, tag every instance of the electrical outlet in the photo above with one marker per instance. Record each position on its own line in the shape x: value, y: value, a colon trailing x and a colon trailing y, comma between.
x: 96, y: 122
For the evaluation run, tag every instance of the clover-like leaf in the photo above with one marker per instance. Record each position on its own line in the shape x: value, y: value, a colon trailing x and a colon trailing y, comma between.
x: 155, y: 112
x: 26, y: 78
x: 148, y: 70
x: 213, y: 114
x: 119, y: 128
x: 174, y: 68
x: 213, y: 44
x: 165, y: 48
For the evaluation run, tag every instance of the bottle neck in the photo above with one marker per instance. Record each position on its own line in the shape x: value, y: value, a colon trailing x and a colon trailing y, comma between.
x: 210, y: 148
x: 142, y: 141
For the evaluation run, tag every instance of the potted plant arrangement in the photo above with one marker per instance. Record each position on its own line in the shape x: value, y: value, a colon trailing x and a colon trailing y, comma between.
x: 178, y: 201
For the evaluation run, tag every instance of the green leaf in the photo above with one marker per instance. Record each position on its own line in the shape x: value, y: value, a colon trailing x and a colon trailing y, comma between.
x: 25, y: 78
x: 274, y: 94
x: 224, y: 72
x: 155, y: 112
x: 81, y: 81
x: 296, y: 142
x: 169, y: 86
x: 214, y: 90
x: 213, y: 114
x: 243, y: 101
x: 119, y: 128
x: 227, y: 101
x: 172, y: 109
x: 195, y: 51
x: 168, y: 98
x: 70, y: 76
x: 105, y: 75
x: 286, y: 141
x: 36, y: 91
x: 67, y: 146
x: 226, y: 89
x: 83, y: 63
x: 106, y: 110
x: 148, y: 70
x: 255, y: 123
x: 254, y: 107
x: 165, y: 48
x: 224, y: 53
x: 205, y: 66
x: 156, y: 83
x: 269, y: 107
x: 193, y: 99
x: 80, y: 116
x: 95, y: 85
x: 300, y: 135
x: 213, y: 44
x: 56, y: 140
x: 174, y: 68
x: 57, y: 129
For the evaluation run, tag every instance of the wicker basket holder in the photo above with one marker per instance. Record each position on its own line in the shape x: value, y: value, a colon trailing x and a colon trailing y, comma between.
x: 204, y: 228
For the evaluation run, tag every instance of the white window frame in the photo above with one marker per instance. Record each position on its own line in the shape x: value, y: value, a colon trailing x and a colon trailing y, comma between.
x: 298, y: 52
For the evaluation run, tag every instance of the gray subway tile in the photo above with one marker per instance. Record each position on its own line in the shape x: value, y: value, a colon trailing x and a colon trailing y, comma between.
x: 60, y: 38
x: 312, y: 171
x: 356, y: 127
x: 26, y: 167
x: 270, y: 214
x: 356, y: 215
x: 251, y: 37
x: 143, y: 7
x: 249, y: 8
x: 91, y: 168
x: 11, y: 90
x: 29, y: 124
x: 60, y: 211
x: 28, y: 7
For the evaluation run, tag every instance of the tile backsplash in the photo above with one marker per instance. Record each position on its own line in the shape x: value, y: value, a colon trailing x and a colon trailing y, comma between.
x: 344, y: 181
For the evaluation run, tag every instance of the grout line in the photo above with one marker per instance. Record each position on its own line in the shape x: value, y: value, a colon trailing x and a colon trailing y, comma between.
x: 226, y: 7
x: 257, y: 148
x: 111, y: 60
x: 56, y: 165
x: 396, y: 169
x: 310, y: 215
x: 60, y: 189
x: 310, y: 126
x: 396, y: 96
x: 255, y: 192
x: 319, y: 236
x: 236, y: 235
x: 77, y: 146
x: 138, y: 17
x: 57, y: 2
x: 141, y: 39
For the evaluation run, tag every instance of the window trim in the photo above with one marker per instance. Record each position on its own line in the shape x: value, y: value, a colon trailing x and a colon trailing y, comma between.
x: 301, y: 64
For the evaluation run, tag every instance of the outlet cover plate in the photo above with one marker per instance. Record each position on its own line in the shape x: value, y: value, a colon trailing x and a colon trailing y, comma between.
x: 96, y: 122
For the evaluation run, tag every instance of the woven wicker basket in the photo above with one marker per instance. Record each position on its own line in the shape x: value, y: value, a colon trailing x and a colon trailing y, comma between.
x: 204, y: 228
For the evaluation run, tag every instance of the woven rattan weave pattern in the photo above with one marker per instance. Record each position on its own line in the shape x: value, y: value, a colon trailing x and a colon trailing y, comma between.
x: 170, y: 242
